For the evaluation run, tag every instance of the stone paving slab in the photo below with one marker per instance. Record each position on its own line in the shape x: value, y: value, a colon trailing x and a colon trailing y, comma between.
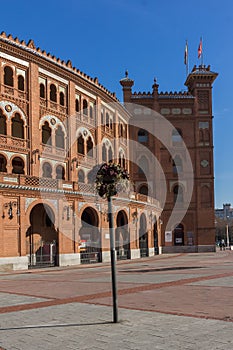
x: 168, y: 302
x: 8, y: 299
x: 82, y: 326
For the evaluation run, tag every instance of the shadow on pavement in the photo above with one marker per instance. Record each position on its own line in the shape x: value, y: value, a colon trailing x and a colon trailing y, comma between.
x: 39, y: 326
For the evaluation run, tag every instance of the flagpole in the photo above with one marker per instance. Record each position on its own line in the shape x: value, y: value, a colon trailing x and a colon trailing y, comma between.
x: 200, y: 51
x: 202, y: 57
x: 186, y: 60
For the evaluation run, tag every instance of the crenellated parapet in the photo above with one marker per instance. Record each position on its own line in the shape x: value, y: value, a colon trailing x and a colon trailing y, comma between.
x: 30, y: 47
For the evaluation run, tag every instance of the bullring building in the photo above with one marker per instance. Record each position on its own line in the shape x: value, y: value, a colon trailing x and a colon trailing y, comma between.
x: 58, y: 125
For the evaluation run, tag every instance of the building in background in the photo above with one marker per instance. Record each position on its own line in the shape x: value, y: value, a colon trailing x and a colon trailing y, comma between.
x: 225, y: 213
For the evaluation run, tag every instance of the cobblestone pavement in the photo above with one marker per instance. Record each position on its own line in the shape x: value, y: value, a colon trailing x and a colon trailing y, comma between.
x: 165, y: 302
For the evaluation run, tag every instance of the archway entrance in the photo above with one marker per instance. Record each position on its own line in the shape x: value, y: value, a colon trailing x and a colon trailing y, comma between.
x: 179, y: 235
x: 41, y: 237
x: 90, y: 237
x: 143, y: 237
x: 122, y: 237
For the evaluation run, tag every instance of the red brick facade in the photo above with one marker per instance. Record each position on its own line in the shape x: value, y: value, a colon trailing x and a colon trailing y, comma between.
x: 190, y: 118
x: 57, y: 125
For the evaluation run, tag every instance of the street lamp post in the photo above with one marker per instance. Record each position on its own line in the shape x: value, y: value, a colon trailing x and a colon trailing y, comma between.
x: 113, y: 261
x: 107, y: 179
x: 227, y: 233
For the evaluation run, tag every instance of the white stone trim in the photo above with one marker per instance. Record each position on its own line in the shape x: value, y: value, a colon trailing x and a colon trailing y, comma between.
x: 14, y: 59
x: 14, y: 263
x: 85, y: 92
x: 69, y: 259
x: 134, y: 253
x: 53, y: 76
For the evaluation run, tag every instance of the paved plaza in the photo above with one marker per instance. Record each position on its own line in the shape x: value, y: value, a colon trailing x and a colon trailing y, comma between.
x: 181, y: 301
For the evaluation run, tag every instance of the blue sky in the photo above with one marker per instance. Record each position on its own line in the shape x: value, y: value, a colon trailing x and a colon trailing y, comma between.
x: 104, y: 37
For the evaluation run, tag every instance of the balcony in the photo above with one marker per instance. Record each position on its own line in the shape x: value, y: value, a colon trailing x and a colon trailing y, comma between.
x: 13, y: 143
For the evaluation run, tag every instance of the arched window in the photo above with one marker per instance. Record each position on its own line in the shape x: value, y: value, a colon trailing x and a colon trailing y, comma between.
x: 17, y: 126
x: 104, y: 153
x: 77, y: 105
x: 3, y: 164
x: 144, y: 190
x: 53, y: 93
x: 59, y: 138
x: 85, y: 106
x: 110, y: 154
x: 107, y: 119
x: 17, y: 166
x: 102, y: 117
x: 47, y: 170
x: 91, y: 112
x: 62, y: 99
x: 60, y: 172
x: 2, y: 123
x: 89, y: 147
x: 121, y: 130
x: 176, y: 136
x: 177, y: 165
x: 46, y: 134
x: 122, y: 159
x: 178, y: 194
x: 142, y: 136
x: 81, y: 176
x: 8, y: 76
x: 81, y: 144
x: 42, y: 90
x: 20, y: 83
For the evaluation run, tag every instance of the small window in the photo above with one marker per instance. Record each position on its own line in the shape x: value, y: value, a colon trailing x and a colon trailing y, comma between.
x: 53, y: 93
x: 59, y: 138
x: 60, y: 172
x: 91, y: 112
x: 85, y: 107
x: 8, y: 76
x: 143, y: 190
x: 62, y: 99
x: 42, y: 90
x: 142, y: 136
x: 110, y: 154
x: 46, y: 134
x: 47, y: 170
x: 102, y: 117
x: 107, y: 119
x: 20, y: 83
x: 81, y: 144
x: 17, y: 126
x: 3, y: 164
x: 81, y: 176
x: 89, y: 147
x: 104, y: 153
x: 18, y: 166
x: 77, y: 105
x: 2, y: 123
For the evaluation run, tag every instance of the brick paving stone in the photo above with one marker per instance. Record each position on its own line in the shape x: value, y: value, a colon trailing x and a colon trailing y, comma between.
x: 164, y: 302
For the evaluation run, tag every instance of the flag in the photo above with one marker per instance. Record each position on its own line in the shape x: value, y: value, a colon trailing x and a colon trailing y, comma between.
x: 199, y: 51
x: 186, y: 53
